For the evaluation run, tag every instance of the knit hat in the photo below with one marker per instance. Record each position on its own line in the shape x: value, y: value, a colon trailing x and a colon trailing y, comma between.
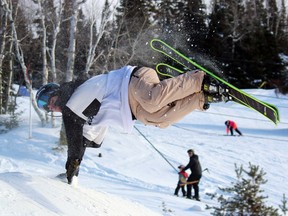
x: 181, y: 167
x: 190, y: 151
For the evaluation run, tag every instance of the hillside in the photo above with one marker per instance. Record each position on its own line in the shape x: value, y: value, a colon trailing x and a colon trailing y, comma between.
x: 131, y: 177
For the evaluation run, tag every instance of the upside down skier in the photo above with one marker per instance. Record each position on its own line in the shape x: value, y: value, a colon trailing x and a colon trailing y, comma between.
x: 117, y: 99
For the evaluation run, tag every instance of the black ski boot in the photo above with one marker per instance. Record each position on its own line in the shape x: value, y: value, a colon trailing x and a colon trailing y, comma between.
x: 208, y: 86
x: 213, y: 98
x: 211, y: 86
x: 72, y: 168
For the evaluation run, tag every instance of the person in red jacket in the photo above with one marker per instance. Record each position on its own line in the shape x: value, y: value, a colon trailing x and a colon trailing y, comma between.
x: 182, y: 180
x: 231, y: 125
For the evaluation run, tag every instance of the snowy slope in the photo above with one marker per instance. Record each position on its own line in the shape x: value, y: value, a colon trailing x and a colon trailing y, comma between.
x: 131, y: 177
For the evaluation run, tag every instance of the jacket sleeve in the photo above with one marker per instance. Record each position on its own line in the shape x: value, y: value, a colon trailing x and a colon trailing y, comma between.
x: 189, y: 165
x: 74, y: 132
x: 95, y: 133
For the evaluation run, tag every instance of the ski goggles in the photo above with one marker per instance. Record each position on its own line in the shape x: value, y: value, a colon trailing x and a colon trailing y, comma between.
x: 43, y: 102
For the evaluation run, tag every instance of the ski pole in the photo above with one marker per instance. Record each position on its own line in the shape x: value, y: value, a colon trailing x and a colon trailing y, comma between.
x: 206, y: 169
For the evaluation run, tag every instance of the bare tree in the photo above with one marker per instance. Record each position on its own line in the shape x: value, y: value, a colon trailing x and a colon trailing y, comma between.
x: 132, y: 30
x: 20, y: 56
x: 49, y: 14
x: 44, y: 39
x: 3, y: 36
x: 44, y: 11
x: 10, y: 70
x: 6, y: 50
x: 56, y: 22
x: 72, y: 39
x: 96, y: 31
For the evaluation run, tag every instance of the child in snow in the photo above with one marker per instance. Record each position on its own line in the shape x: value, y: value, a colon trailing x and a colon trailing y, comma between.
x: 182, y: 180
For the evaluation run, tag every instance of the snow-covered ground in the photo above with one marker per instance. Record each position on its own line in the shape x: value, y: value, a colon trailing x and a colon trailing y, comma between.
x: 131, y: 177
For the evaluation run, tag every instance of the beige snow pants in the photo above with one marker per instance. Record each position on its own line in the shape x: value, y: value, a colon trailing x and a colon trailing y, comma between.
x: 162, y: 103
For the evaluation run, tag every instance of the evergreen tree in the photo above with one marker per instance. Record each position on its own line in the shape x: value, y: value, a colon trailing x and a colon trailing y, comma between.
x: 217, y: 28
x: 182, y: 24
x: 226, y: 30
x: 282, y: 29
x: 132, y: 22
x: 168, y: 19
x: 271, y: 15
x: 194, y: 16
x: 241, y: 39
x: 245, y: 196
x: 284, y: 206
x: 258, y: 48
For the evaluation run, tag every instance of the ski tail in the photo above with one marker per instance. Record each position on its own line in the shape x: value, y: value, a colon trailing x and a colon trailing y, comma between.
x: 168, y: 71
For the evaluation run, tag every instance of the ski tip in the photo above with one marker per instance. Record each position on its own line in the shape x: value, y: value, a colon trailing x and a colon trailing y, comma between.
x: 153, y: 40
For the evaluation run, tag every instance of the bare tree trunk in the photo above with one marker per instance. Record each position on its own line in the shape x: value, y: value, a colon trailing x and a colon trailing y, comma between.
x: 9, y: 81
x: 56, y: 30
x: 72, y: 40
x: 42, y: 12
x: 20, y: 57
x: 71, y: 54
x: 2, y: 53
x: 44, y: 46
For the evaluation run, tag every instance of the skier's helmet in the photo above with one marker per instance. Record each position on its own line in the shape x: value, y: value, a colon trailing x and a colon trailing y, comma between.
x: 44, y: 94
x: 226, y: 123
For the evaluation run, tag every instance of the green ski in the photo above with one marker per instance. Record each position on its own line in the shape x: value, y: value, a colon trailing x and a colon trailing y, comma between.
x: 234, y: 94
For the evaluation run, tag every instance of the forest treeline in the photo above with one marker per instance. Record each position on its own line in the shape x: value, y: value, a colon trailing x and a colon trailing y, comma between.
x: 57, y: 41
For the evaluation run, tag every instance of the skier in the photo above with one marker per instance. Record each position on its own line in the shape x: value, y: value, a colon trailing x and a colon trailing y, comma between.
x: 230, y: 126
x: 182, y: 180
x: 117, y: 99
x: 196, y: 174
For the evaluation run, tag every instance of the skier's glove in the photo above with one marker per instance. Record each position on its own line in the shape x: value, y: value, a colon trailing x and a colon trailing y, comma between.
x: 72, y: 167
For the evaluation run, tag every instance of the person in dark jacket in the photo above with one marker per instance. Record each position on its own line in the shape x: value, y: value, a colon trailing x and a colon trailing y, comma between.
x: 117, y: 99
x: 195, y: 176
